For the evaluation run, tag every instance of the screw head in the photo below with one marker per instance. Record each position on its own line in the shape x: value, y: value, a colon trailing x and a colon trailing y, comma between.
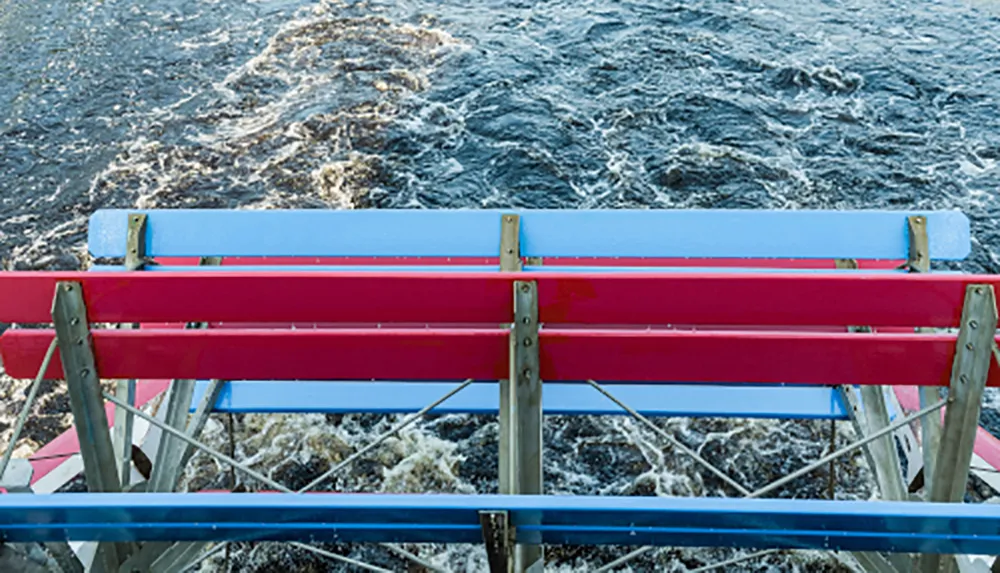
x: 74, y: 321
x: 68, y: 288
x: 525, y: 287
x: 526, y: 373
x: 527, y: 342
x: 85, y: 372
x: 508, y: 219
x: 973, y: 324
x: 526, y: 320
x: 979, y: 290
x: 969, y: 346
x: 963, y: 379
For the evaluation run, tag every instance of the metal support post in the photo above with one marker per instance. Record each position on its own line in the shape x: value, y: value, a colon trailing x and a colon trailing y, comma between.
x: 919, y: 261
x: 172, y: 455
x: 167, y: 466
x: 510, y: 261
x: 135, y: 259
x: 973, y: 354
x: 882, y: 455
x: 527, y: 412
x: 69, y: 315
x: 498, y: 535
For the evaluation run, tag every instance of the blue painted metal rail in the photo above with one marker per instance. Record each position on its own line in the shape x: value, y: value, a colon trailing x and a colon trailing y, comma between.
x: 578, y: 520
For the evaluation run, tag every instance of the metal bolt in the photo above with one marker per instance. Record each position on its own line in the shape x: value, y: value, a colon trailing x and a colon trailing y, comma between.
x: 74, y: 321
x: 973, y: 324
x: 135, y: 251
x: 510, y: 251
x: 526, y: 320
x: 68, y: 287
x: 979, y: 290
x: 969, y: 346
x: 527, y: 342
x: 963, y: 378
x: 525, y: 287
x: 919, y: 220
x: 526, y: 373
x: 85, y: 372
x: 508, y: 219
x: 79, y: 342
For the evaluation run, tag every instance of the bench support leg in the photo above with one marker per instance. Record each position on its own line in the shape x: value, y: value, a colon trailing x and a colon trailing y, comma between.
x: 123, y: 430
x: 973, y: 354
x: 527, y: 408
x: 69, y: 315
x: 498, y: 535
x: 510, y: 261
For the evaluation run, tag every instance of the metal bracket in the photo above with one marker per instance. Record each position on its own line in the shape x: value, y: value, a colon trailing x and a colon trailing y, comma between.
x: 510, y: 243
x: 498, y: 535
x: 69, y: 314
x: 970, y: 369
x: 135, y: 242
x: 919, y: 255
x: 527, y: 412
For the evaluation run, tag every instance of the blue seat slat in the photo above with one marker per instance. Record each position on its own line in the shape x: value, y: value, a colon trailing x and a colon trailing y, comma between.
x: 544, y: 233
x: 681, y: 400
x: 762, y: 523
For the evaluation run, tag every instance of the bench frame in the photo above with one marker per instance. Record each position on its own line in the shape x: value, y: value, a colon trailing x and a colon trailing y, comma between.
x: 520, y: 399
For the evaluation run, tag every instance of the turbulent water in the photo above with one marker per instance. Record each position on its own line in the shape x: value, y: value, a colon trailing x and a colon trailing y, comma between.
x: 495, y: 103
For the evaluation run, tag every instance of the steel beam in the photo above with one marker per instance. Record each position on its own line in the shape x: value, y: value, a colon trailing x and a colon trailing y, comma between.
x: 498, y: 535
x: 527, y: 401
x: 973, y: 354
x: 69, y: 315
x: 510, y: 261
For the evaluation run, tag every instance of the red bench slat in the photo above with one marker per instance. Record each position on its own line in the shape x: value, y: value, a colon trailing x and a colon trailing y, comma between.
x: 786, y: 299
x: 440, y: 354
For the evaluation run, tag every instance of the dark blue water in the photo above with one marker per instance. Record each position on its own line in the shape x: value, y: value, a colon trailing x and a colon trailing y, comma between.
x: 583, y: 103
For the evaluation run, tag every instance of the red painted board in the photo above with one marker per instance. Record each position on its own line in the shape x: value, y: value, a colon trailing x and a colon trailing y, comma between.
x: 789, y: 299
x: 351, y: 354
x: 763, y: 357
x: 575, y: 354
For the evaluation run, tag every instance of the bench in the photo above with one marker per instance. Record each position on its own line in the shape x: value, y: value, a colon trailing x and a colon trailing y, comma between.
x: 583, y: 241
x: 427, y: 324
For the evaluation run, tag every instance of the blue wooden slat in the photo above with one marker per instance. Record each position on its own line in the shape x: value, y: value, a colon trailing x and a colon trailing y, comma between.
x: 544, y: 233
x: 830, y: 525
x: 681, y: 400
x: 483, y: 268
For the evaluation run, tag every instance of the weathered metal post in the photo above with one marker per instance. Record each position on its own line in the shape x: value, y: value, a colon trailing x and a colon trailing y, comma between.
x: 527, y: 400
x: 973, y: 353
x: 69, y: 315
x: 510, y: 261
x: 919, y: 261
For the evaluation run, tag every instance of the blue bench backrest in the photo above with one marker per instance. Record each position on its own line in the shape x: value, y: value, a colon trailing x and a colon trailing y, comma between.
x: 543, y: 233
